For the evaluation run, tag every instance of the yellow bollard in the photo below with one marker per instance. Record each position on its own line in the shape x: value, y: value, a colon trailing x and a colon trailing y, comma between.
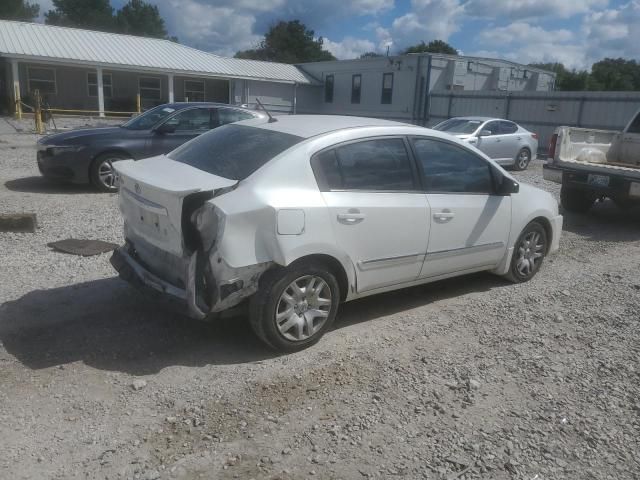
x: 138, y: 104
x: 18, y: 109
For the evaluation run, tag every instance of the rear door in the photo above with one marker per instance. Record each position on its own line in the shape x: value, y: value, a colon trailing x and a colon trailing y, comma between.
x: 511, y: 141
x: 380, y: 217
x: 185, y: 125
x: 469, y: 223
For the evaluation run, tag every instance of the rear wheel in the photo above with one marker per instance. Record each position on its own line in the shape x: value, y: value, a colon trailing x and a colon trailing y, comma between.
x: 528, y: 254
x: 523, y: 159
x: 295, y: 307
x: 102, y: 175
x: 575, y: 200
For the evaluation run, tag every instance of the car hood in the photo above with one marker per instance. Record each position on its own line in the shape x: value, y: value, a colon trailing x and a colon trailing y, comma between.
x: 80, y: 135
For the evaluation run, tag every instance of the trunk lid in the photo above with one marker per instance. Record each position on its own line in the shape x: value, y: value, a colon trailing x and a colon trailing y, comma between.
x: 152, y: 197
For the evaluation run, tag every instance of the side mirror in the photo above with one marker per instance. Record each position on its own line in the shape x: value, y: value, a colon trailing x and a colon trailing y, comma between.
x: 507, y: 186
x: 485, y: 133
x: 165, y: 128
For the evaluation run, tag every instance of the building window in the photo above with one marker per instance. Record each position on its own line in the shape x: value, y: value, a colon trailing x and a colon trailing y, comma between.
x: 42, y: 79
x: 328, y: 89
x: 356, y: 84
x: 92, y: 84
x: 149, y: 88
x: 387, y: 88
x: 194, y: 90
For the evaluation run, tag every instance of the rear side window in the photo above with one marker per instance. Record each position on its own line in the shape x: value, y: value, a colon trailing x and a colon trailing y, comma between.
x: 448, y: 168
x: 233, y: 151
x: 371, y: 165
x: 507, y: 128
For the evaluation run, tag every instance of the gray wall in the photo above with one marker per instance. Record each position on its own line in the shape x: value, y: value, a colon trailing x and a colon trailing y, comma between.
x: 278, y: 98
x: 540, y: 112
x: 411, y: 75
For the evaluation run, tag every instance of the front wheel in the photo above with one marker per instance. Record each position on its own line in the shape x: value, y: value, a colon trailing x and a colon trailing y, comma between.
x: 102, y: 175
x: 528, y: 254
x: 522, y: 159
x: 294, y: 307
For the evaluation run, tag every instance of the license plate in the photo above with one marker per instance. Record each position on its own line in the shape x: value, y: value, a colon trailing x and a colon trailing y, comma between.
x: 598, y: 180
x: 634, y: 189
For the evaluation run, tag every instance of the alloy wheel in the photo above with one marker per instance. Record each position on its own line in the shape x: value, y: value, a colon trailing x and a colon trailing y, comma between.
x: 523, y: 159
x: 303, y: 308
x: 106, y: 173
x: 530, y: 254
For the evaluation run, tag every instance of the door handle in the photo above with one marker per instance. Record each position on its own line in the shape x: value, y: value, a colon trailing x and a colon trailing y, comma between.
x: 351, y: 218
x: 443, y: 216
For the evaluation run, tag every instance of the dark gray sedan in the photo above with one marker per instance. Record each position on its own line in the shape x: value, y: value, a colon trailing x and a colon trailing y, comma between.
x: 87, y: 155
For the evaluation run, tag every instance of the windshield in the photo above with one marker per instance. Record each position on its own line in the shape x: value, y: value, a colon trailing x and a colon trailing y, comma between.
x: 233, y: 151
x: 458, y: 125
x: 149, y: 118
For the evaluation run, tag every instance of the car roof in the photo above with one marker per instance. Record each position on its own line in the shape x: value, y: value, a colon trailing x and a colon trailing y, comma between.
x: 182, y: 105
x: 481, y: 119
x: 307, y: 126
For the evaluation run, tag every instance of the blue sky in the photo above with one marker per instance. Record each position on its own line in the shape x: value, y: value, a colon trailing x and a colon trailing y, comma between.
x: 575, y: 32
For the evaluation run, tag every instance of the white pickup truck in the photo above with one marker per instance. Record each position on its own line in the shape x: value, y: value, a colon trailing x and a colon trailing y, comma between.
x: 595, y: 164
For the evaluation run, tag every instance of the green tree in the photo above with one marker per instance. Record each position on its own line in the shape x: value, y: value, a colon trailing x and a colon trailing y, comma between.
x: 434, y: 46
x: 615, y: 74
x: 91, y: 14
x: 288, y: 42
x: 371, y: 55
x: 19, y: 10
x: 140, y: 18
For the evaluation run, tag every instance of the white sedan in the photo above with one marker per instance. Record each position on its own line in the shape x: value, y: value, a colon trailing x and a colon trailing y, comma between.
x: 297, y: 214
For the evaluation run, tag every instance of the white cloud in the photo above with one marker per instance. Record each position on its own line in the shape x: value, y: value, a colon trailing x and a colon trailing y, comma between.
x: 521, y: 9
x: 428, y: 20
x: 522, y: 32
x: 349, y: 47
x: 614, y: 32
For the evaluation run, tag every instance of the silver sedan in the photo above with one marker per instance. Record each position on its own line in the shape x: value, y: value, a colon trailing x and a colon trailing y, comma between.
x: 506, y: 142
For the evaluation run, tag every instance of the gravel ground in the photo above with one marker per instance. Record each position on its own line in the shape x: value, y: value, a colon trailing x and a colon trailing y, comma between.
x: 468, y: 378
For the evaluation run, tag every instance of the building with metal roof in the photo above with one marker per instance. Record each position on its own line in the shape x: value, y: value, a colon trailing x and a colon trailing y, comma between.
x: 88, y: 70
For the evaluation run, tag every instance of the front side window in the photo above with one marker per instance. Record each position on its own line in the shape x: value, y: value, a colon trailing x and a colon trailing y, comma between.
x: 448, y: 168
x: 194, y: 90
x: 387, y: 88
x: 493, y: 127
x: 328, y: 89
x: 92, y: 84
x: 371, y: 165
x: 194, y: 119
x: 234, y: 151
x: 42, y: 79
x: 356, y: 84
x: 149, y: 88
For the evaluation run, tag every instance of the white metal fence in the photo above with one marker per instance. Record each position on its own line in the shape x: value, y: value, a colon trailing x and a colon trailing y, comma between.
x: 539, y: 112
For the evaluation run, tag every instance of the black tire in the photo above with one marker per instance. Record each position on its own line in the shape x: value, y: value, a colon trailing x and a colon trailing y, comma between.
x: 521, y: 252
x: 522, y: 159
x: 97, y: 173
x: 265, y: 303
x: 575, y: 200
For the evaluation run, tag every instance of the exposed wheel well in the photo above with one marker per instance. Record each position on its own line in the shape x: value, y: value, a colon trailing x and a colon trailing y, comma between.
x: 546, y: 224
x: 336, y: 268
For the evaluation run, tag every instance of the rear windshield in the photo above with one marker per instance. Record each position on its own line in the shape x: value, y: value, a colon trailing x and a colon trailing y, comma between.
x: 458, y: 125
x: 233, y: 151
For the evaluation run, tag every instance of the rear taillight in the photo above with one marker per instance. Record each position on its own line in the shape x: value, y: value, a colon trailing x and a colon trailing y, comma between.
x: 535, y: 136
x: 552, y: 146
